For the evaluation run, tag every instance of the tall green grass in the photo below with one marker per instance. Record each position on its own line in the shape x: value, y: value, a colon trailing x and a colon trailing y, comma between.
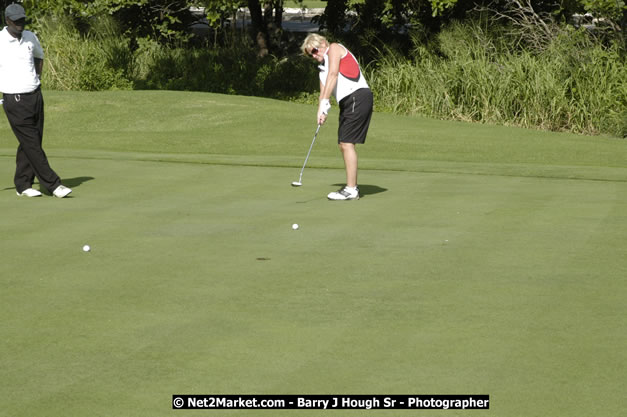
x: 574, y: 85
x: 102, y: 58
x: 97, y: 60
x: 230, y: 70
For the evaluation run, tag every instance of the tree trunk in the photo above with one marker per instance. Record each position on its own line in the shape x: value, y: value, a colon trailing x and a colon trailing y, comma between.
x: 278, y: 14
x: 335, y: 15
x: 259, y: 30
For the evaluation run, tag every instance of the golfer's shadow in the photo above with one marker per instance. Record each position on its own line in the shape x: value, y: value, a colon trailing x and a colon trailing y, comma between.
x: 75, y: 182
x: 366, y: 189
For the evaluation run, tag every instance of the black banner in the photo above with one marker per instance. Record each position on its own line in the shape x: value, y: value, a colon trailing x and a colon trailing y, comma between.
x: 331, y: 402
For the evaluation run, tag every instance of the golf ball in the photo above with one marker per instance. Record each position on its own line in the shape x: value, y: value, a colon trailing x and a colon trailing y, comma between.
x: 295, y: 226
x: 86, y: 248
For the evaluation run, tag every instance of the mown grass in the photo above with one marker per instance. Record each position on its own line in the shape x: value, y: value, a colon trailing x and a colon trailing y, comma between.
x: 482, y: 259
x: 202, y: 124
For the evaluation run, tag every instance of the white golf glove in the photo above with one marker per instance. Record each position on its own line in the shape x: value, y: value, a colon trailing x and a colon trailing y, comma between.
x: 323, y: 110
x: 325, y: 106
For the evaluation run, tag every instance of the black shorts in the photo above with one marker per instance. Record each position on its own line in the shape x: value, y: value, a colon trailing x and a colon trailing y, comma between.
x: 355, y: 115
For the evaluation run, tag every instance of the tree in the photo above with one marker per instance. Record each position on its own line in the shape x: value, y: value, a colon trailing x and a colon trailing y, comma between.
x: 613, y: 11
x: 163, y: 20
x: 218, y: 11
x: 266, y: 27
x: 334, y: 16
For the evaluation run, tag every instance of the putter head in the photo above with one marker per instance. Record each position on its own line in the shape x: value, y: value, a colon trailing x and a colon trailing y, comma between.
x: 296, y: 184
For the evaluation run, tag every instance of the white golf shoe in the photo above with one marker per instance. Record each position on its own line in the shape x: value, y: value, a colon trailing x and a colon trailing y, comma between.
x: 29, y: 192
x: 344, y: 193
x: 61, y: 191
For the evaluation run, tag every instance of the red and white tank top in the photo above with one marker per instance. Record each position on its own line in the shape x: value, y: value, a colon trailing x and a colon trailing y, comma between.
x: 350, y: 77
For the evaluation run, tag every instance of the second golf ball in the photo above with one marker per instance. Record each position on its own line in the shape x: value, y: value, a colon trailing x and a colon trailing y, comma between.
x: 86, y: 248
x: 295, y: 226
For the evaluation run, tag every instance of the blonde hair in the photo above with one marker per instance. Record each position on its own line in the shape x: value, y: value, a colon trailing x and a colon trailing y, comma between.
x: 313, y: 40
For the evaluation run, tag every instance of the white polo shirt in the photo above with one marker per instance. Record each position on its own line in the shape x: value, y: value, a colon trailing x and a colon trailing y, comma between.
x: 17, y: 63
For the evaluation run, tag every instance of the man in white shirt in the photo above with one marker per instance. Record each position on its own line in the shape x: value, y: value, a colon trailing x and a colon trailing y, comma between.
x: 21, y: 62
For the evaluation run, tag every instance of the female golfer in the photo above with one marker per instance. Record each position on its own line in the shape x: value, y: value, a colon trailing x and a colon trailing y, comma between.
x: 341, y: 76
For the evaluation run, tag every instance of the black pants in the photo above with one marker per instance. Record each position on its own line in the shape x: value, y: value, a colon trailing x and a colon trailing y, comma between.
x: 26, y: 117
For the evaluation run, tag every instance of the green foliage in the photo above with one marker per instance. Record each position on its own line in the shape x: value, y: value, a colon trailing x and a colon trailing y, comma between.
x: 102, y: 59
x: 164, y: 20
x: 218, y: 13
x: 224, y: 70
x: 439, y: 6
x: 575, y: 85
x: 612, y: 9
x: 217, y: 10
x: 611, y: 17
x: 98, y: 61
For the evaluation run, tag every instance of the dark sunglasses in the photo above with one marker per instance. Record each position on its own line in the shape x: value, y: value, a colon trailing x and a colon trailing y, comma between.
x: 313, y: 52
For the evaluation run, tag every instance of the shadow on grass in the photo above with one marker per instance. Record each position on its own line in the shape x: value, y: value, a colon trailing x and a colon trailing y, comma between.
x: 75, y: 182
x: 68, y: 182
x: 366, y: 189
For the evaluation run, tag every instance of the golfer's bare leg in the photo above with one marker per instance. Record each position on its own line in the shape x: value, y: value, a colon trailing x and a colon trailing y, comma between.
x: 350, y: 163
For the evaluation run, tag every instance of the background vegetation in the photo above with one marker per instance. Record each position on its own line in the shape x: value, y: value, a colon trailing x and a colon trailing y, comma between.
x: 515, y: 62
x: 473, y: 73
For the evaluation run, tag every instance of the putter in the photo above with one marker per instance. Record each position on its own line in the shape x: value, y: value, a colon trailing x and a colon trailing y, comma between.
x: 300, y: 178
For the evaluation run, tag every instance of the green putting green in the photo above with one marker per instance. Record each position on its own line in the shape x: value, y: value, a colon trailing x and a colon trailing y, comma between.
x: 480, y: 260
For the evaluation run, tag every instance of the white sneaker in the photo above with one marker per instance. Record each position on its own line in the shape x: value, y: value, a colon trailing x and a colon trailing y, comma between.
x: 29, y: 192
x: 344, y: 194
x: 61, y: 191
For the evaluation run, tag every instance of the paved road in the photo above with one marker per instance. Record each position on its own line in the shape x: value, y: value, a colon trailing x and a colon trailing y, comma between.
x: 294, y: 20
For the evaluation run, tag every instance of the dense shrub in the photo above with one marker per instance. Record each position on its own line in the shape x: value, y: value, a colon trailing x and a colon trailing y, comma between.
x: 97, y: 61
x: 224, y: 70
x: 471, y: 74
x: 103, y: 59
